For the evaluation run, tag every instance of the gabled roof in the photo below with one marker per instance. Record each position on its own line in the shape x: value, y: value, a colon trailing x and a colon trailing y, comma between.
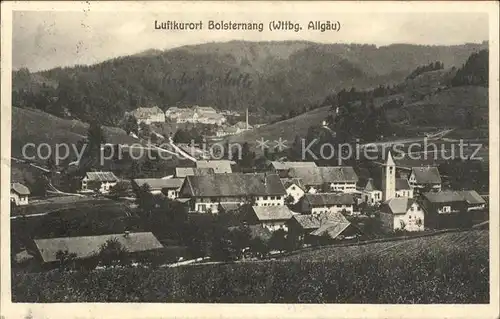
x: 20, y: 189
x: 311, y: 222
x: 287, y: 165
x: 471, y: 197
x: 426, y: 175
x: 219, y: 166
x: 332, y: 229
x: 160, y: 183
x: 398, y: 205
x: 322, y: 175
x: 101, y: 176
x: 181, y: 172
x: 370, y: 185
x: 402, y: 184
x: 287, y: 182
x: 325, y: 199
x: 267, y: 213
x: 234, y: 184
x: 86, y: 246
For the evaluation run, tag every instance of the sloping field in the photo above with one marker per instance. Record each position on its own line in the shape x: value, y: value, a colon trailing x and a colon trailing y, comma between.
x: 447, y: 268
x: 457, y: 241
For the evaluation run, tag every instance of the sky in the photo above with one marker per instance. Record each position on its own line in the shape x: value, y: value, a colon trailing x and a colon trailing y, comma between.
x: 43, y: 40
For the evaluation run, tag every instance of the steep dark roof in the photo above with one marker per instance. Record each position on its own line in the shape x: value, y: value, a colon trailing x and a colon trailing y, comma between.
x: 332, y: 229
x: 322, y: 199
x: 266, y: 213
x: 287, y: 182
x: 20, y: 189
x: 402, y: 184
x: 472, y: 197
x: 181, y: 172
x: 86, y: 246
x: 322, y: 175
x: 426, y: 175
x: 234, y: 184
x: 370, y: 185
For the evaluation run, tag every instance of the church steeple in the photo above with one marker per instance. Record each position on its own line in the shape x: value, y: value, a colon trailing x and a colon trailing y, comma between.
x: 389, y: 178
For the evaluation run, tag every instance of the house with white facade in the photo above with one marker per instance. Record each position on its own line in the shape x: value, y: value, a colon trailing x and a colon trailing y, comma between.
x: 370, y: 193
x: 170, y: 187
x: 19, y: 194
x: 326, y: 179
x: 425, y: 179
x: 98, y: 181
x: 207, y: 192
x: 148, y: 115
x: 402, y: 213
x: 270, y: 217
x: 327, y: 202
x: 195, y: 114
x: 294, y: 188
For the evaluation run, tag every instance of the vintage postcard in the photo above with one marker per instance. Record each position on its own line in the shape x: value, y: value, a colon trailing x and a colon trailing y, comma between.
x: 249, y: 159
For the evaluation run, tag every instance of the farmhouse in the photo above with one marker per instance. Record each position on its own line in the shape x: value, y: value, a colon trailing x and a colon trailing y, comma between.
x: 218, y: 166
x: 402, y: 213
x: 270, y: 217
x: 326, y: 202
x: 195, y: 114
x: 168, y: 186
x: 450, y: 209
x: 294, y: 188
x: 148, y: 115
x: 181, y: 172
x: 403, y: 188
x: 100, y: 181
x: 282, y: 168
x: 371, y: 194
x: 327, y: 179
x: 333, y: 225
x: 425, y: 179
x: 206, y: 192
x: 19, y: 194
x: 86, y: 246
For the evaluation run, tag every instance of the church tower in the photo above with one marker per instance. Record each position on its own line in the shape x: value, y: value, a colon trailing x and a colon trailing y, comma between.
x: 389, y: 178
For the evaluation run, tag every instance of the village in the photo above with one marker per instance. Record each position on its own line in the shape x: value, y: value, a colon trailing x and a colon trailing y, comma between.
x: 281, y: 207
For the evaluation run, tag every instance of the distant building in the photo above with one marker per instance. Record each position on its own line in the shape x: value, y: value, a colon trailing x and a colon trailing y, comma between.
x: 19, y: 194
x: 195, y: 114
x: 219, y: 166
x: 326, y: 179
x: 181, y: 172
x: 207, y: 192
x: 170, y: 187
x: 148, y: 115
x: 101, y: 181
x: 402, y: 213
x: 294, y: 188
x: 270, y: 217
x: 425, y: 179
x: 450, y: 209
x: 327, y: 202
x: 87, y: 246
x: 282, y: 167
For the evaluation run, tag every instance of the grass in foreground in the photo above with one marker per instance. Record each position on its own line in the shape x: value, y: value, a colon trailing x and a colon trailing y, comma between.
x: 449, y: 273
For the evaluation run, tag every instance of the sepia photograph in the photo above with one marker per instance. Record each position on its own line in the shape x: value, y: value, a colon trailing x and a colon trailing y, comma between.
x: 239, y: 153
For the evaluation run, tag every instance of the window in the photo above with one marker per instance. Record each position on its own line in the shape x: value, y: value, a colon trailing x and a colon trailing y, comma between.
x: 293, y: 188
x: 264, y: 197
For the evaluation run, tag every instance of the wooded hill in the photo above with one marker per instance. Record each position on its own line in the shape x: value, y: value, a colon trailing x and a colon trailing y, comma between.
x: 267, y: 77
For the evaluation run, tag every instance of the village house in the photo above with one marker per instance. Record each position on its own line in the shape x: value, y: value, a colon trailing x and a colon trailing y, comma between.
x: 403, y: 188
x: 87, y: 246
x: 182, y: 172
x: 195, y: 114
x: 170, y: 187
x: 218, y: 166
x: 19, y: 194
x: 370, y: 194
x: 207, y: 192
x: 327, y: 202
x: 282, y: 168
x: 326, y: 179
x: 148, y: 115
x: 98, y: 181
x: 425, y: 179
x: 270, y: 217
x: 309, y: 229
x: 294, y: 188
x: 450, y: 209
x: 402, y: 213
